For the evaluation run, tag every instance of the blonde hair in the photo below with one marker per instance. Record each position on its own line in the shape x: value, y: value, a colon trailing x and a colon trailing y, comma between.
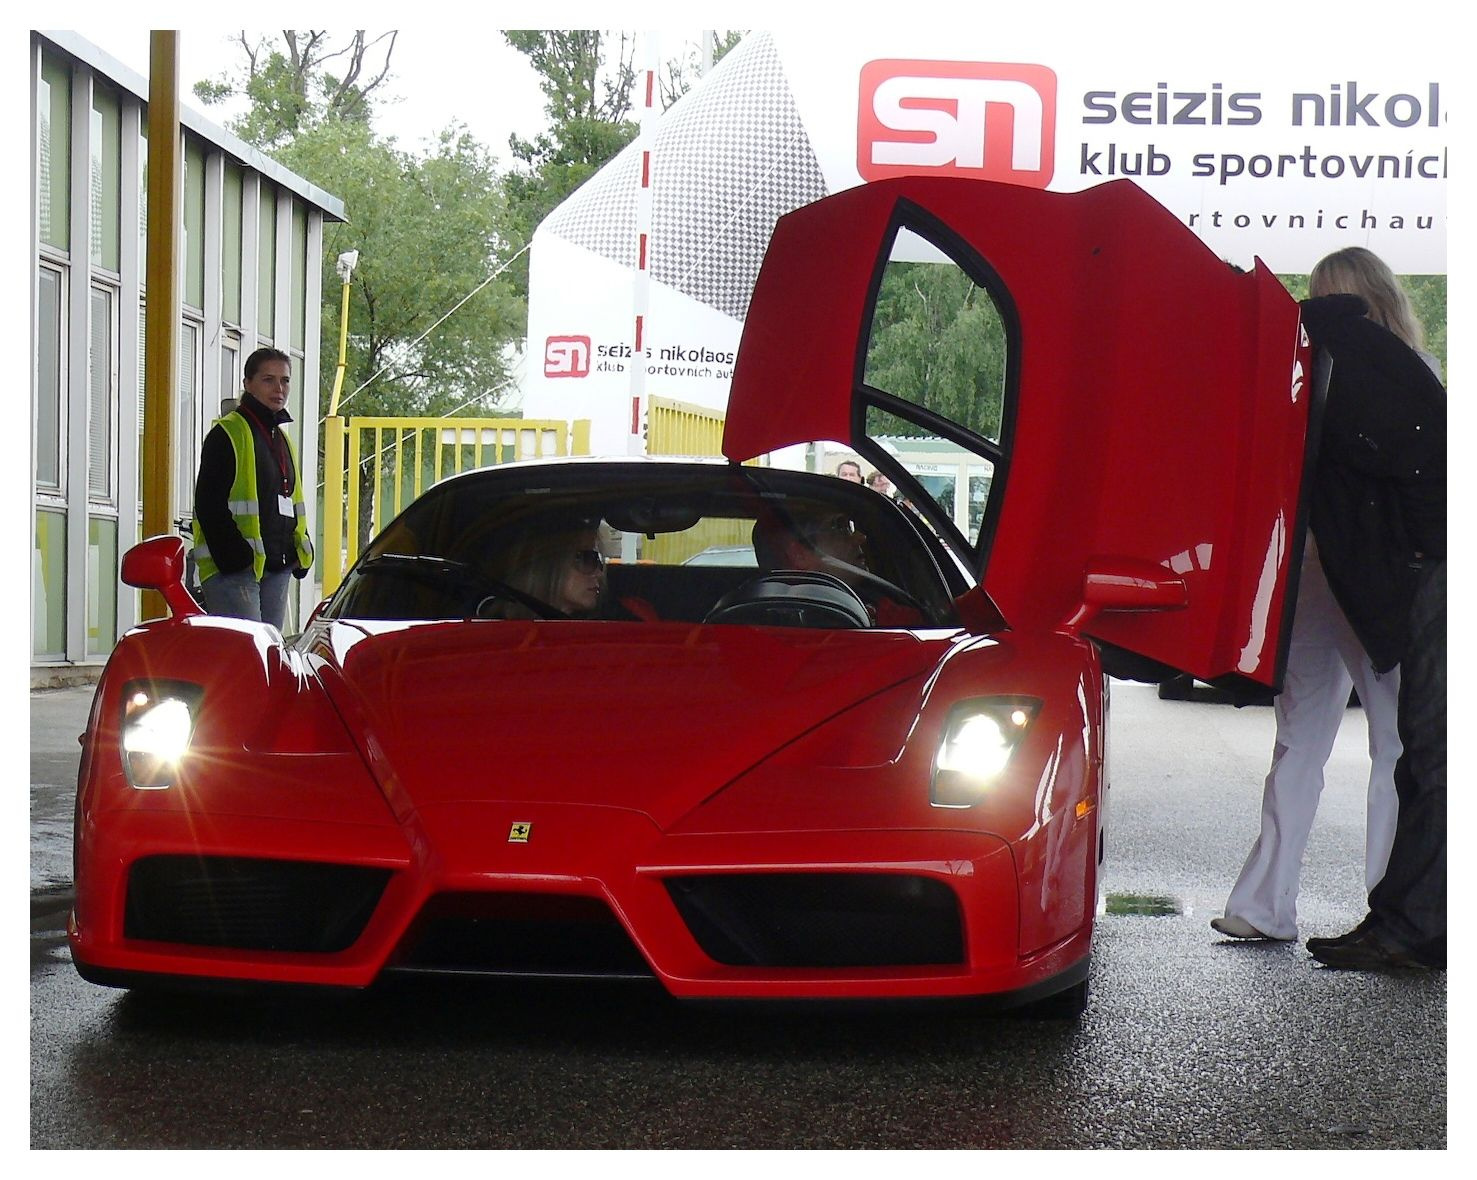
x: 540, y: 563
x: 1357, y: 271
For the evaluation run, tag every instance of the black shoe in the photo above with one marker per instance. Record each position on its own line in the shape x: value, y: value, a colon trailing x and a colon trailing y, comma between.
x: 1364, y: 948
x: 1318, y: 944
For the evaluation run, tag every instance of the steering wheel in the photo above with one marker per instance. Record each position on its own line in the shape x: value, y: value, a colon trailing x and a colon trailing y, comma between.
x: 875, y: 584
x: 792, y: 598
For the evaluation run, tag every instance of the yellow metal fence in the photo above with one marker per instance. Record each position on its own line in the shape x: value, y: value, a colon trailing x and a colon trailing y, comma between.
x: 374, y: 467
x: 681, y: 428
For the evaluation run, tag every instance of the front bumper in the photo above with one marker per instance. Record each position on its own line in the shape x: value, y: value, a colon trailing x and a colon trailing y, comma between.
x: 548, y: 889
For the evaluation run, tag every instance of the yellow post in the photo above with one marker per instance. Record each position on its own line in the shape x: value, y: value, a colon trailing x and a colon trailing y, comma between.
x: 580, y: 429
x: 161, y: 306
x: 333, y: 503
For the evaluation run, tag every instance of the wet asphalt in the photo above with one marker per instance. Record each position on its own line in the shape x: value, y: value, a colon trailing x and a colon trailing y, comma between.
x: 1189, y: 1041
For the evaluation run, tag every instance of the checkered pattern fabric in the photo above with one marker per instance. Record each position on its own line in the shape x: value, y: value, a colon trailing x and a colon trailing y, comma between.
x: 729, y: 159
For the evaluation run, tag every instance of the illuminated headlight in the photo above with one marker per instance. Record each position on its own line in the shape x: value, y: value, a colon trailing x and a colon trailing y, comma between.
x: 978, y: 740
x: 158, y: 719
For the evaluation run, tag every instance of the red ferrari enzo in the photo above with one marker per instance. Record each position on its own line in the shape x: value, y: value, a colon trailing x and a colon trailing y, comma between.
x: 855, y: 750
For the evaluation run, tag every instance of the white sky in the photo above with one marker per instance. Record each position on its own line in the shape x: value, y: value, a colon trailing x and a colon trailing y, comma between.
x: 435, y: 79
x: 439, y: 73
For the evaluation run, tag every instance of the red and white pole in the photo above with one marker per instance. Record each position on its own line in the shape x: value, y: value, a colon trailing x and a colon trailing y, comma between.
x: 641, y: 287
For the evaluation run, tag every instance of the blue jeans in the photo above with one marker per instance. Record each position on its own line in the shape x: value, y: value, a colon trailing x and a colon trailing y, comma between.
x: 241, y: 596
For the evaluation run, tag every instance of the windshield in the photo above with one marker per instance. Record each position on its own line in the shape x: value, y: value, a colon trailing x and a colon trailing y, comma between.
x: 656, y: 543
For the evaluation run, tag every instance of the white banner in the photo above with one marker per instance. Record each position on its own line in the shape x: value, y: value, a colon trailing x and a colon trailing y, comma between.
x: 1285, y: 159
x: 1283, y: 151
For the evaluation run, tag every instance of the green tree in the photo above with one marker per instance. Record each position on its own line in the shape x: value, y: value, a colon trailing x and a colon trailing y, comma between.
x: 937, y: 341
x: 304, y: 81
x: 427, y: 231
x: 588, y: 102
x: 427, y: 226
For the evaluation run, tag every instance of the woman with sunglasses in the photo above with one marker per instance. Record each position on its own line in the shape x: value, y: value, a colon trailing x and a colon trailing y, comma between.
x: 564, y: 570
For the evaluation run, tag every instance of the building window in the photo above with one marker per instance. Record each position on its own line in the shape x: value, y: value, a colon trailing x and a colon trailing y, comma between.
x: 142, y: 387
x: 231, y: 203
x: 299, y: 275
x: 102, y: 584
x: 194, y: 224
x: 49, y: 391
x: 102, y: 382
x: 48, y: 586
x: 187, y: 417
x: 105, y: 181
x: 54, y: 140
x: 266, y: 263
x: 230, y: 372
x: 143, y: 196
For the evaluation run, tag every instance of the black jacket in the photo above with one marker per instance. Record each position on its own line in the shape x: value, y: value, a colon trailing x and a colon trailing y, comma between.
x: 1379, y: 487
x: 217, y: 472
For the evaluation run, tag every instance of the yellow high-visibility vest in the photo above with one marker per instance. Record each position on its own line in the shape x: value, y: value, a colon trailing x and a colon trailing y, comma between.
x: 245, y: 506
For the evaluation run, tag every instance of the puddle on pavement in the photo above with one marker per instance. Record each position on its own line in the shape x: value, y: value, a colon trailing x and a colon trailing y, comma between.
x: 1152, y: 905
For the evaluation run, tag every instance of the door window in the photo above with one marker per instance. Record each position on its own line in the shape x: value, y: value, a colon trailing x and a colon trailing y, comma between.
x: 940, y: 362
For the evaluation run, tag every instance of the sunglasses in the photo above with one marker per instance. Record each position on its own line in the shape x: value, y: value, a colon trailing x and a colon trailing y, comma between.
x: 589, y: 561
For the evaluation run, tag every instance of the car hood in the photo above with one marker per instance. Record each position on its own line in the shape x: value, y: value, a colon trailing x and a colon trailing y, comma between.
x: 649, y: 717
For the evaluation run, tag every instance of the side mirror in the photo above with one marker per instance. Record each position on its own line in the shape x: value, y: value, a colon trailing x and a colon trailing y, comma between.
x: 1126, y: 584
x: 159, y: 564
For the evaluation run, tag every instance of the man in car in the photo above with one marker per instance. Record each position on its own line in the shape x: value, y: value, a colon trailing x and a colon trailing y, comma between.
x: 802, y: 539
x: 819, y: 539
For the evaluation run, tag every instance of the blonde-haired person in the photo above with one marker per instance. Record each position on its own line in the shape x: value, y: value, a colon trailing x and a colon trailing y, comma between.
x: 1379, y: 513
x: 564, y: 569
x: 1326, y: 656
x: 1357, y: 271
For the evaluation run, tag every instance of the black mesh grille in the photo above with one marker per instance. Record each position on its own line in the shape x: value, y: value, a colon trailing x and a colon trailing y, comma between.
x: 821, y: 919
x: 277, y: 905
x: 520, y: 934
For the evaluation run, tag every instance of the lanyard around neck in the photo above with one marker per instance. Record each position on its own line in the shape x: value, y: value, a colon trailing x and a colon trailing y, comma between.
x: 277, y: 444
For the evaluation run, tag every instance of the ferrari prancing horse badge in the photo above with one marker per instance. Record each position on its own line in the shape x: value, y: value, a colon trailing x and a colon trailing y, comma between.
x: 519, y: 833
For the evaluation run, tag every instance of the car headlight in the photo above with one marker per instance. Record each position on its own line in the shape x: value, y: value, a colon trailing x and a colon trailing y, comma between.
x: 979, y: 739
x: 158, y: 719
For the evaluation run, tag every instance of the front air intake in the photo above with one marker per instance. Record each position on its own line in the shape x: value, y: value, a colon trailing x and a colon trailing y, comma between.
x: 821, y: 919
x: 519, y: 934
x: 250, y: 904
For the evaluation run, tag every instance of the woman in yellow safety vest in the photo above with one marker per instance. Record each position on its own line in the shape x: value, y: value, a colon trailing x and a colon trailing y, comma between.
x: 250, y: 527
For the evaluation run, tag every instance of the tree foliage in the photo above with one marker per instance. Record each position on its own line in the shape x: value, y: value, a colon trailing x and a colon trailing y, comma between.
x: 937, y: 341
x: 427, y: 226
x: 680, y: 74
x: 301, y: 82
x: 427, y: 231
x: 588, y: 102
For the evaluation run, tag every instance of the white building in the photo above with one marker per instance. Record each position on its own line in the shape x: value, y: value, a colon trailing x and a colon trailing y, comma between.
x: 252, y: 235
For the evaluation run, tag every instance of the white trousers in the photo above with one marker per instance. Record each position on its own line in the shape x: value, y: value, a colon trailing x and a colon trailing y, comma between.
x: 1324, y: 659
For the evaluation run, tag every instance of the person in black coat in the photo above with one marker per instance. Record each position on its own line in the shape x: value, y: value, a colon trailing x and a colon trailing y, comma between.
x: 1379, y: 520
